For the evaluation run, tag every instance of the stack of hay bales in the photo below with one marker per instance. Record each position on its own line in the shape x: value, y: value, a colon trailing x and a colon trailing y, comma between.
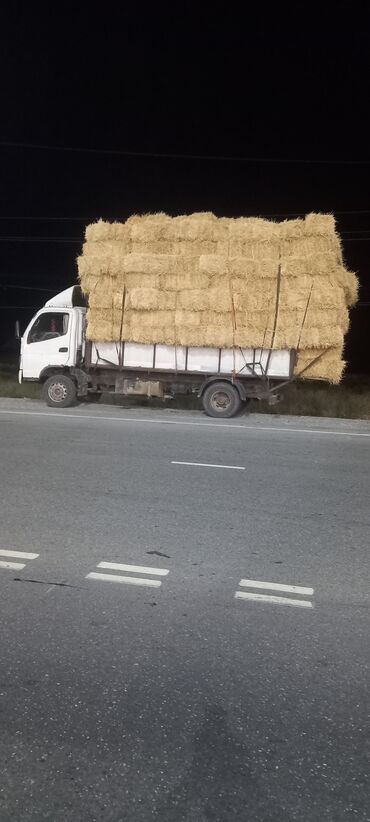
x: 199, y: 280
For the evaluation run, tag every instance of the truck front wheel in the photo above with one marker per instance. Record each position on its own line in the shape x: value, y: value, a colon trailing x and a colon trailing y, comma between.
x: 222, y: 400
x: 59, y: 391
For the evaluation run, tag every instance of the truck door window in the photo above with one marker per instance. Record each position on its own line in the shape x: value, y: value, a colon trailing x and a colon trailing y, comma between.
x: 47, y: 326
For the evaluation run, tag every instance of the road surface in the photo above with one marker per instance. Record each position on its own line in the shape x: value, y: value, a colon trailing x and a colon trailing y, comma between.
x: 183, y: 641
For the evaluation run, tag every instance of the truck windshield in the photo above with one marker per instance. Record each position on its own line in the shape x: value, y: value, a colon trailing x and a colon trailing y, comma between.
x: 47, y: 326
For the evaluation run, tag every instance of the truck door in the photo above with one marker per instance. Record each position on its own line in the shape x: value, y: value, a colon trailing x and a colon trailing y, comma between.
x: 47, y: 341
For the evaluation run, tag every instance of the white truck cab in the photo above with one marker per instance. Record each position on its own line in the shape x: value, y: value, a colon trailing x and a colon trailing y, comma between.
x: 54, y: 338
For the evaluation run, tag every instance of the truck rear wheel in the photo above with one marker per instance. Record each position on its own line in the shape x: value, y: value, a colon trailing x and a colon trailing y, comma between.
x: 221, y: 399
x: 59, y: 391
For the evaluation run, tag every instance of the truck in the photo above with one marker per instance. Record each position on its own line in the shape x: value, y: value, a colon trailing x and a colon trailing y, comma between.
x: 71, y: 368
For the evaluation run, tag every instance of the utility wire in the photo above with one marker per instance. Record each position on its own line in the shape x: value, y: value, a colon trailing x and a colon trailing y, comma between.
x: 27, y: 287
x: 179, y: 156
x: 80, y: 240
x: 116, y: 218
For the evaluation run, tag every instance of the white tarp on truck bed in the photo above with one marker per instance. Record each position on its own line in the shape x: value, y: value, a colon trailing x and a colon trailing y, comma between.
x: 194, y: 360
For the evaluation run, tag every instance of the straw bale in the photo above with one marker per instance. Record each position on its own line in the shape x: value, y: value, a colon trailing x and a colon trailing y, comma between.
x: 250, y: 269
x: 151, y: 299
x: 105, y: 326
x: 316, y: 292
x: 175, y: 282
x: 212, y: 318
x: 215, y: 299
x: 213, y: 263
x: 310, y: 337
x: 212, y: 336
x: 148, y: 263
x: 222, y: 248
x: 101, y: 230
x: 349, y: 282
x: 164, y: 334
x: 155, y: 247
x: 137, y: 280
x: 317, y: 224
x: 104, y: 298
x: 259, y: 251
x: 195, y: 248
x: 191, y: 319
x: 150, y: 319
x: 204, y: 281
x: 107, y: 232
x: 329, y: 367
x: 315, y: 317
x: 97, y: 266
x: 253, y: 230
x: 148, y: 227
x: 322, y: 263
x: 308, y: 245
x: 195, y: 227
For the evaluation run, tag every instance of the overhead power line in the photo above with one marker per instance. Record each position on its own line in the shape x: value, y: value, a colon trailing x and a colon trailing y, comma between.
x: 27, y: 287
x: 79, y: 240
x: 118, y: 218
x: 179, y: 156
x: 41, y: 240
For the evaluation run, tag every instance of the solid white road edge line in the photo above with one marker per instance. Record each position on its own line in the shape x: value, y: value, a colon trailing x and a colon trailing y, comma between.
x: 19, y: 554
x: 15, y: 566
x: 298, y: 603
x: 136, y: 569
x: 231, y: 427
x: 208, y: 465
x: 150, y: 583
x: 276, y: 586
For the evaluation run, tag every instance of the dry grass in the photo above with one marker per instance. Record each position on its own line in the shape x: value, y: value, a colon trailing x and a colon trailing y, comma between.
x: 9, y: 385
x: 350, y: 400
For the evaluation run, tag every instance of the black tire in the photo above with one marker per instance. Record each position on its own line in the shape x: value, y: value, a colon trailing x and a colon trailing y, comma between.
x: 59, y: 391
x: 221, y: 400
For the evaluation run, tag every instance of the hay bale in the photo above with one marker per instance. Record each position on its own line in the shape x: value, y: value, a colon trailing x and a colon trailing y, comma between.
x: 151, y: 299
x: 148, y: 263
x: 321, y: 364
x: 207, y: 281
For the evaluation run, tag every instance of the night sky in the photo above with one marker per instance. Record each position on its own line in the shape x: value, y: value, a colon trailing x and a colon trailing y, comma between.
x: 272, y: 121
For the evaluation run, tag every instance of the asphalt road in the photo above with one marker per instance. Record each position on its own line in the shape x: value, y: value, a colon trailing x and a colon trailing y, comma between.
x: 178, y: 701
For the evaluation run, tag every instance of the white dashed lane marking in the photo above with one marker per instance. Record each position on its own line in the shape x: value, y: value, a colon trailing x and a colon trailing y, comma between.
x: 275, y: 586
x: 298, y: 603
x: 149, y: 583
x: 208, y: 465
x: 273, y: 599
x: 132, y: 569
x: 14, y: 555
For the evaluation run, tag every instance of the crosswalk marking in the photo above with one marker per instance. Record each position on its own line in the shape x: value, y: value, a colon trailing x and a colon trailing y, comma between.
x: 272, y: 599
x: 275, y: 586
x: 146, y: 570
x: 150, y: 583
x: 209, y: 465
x: 11, y: 563
x: 298, y: 603
x: 17, y: 554
x: 139, y: 569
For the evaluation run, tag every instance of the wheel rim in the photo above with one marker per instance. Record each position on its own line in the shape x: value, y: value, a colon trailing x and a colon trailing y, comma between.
x: 57, y: 391
x: 220, y: 401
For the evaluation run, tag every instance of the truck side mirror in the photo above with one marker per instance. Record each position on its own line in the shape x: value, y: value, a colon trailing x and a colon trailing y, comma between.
x: 17, y: 330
